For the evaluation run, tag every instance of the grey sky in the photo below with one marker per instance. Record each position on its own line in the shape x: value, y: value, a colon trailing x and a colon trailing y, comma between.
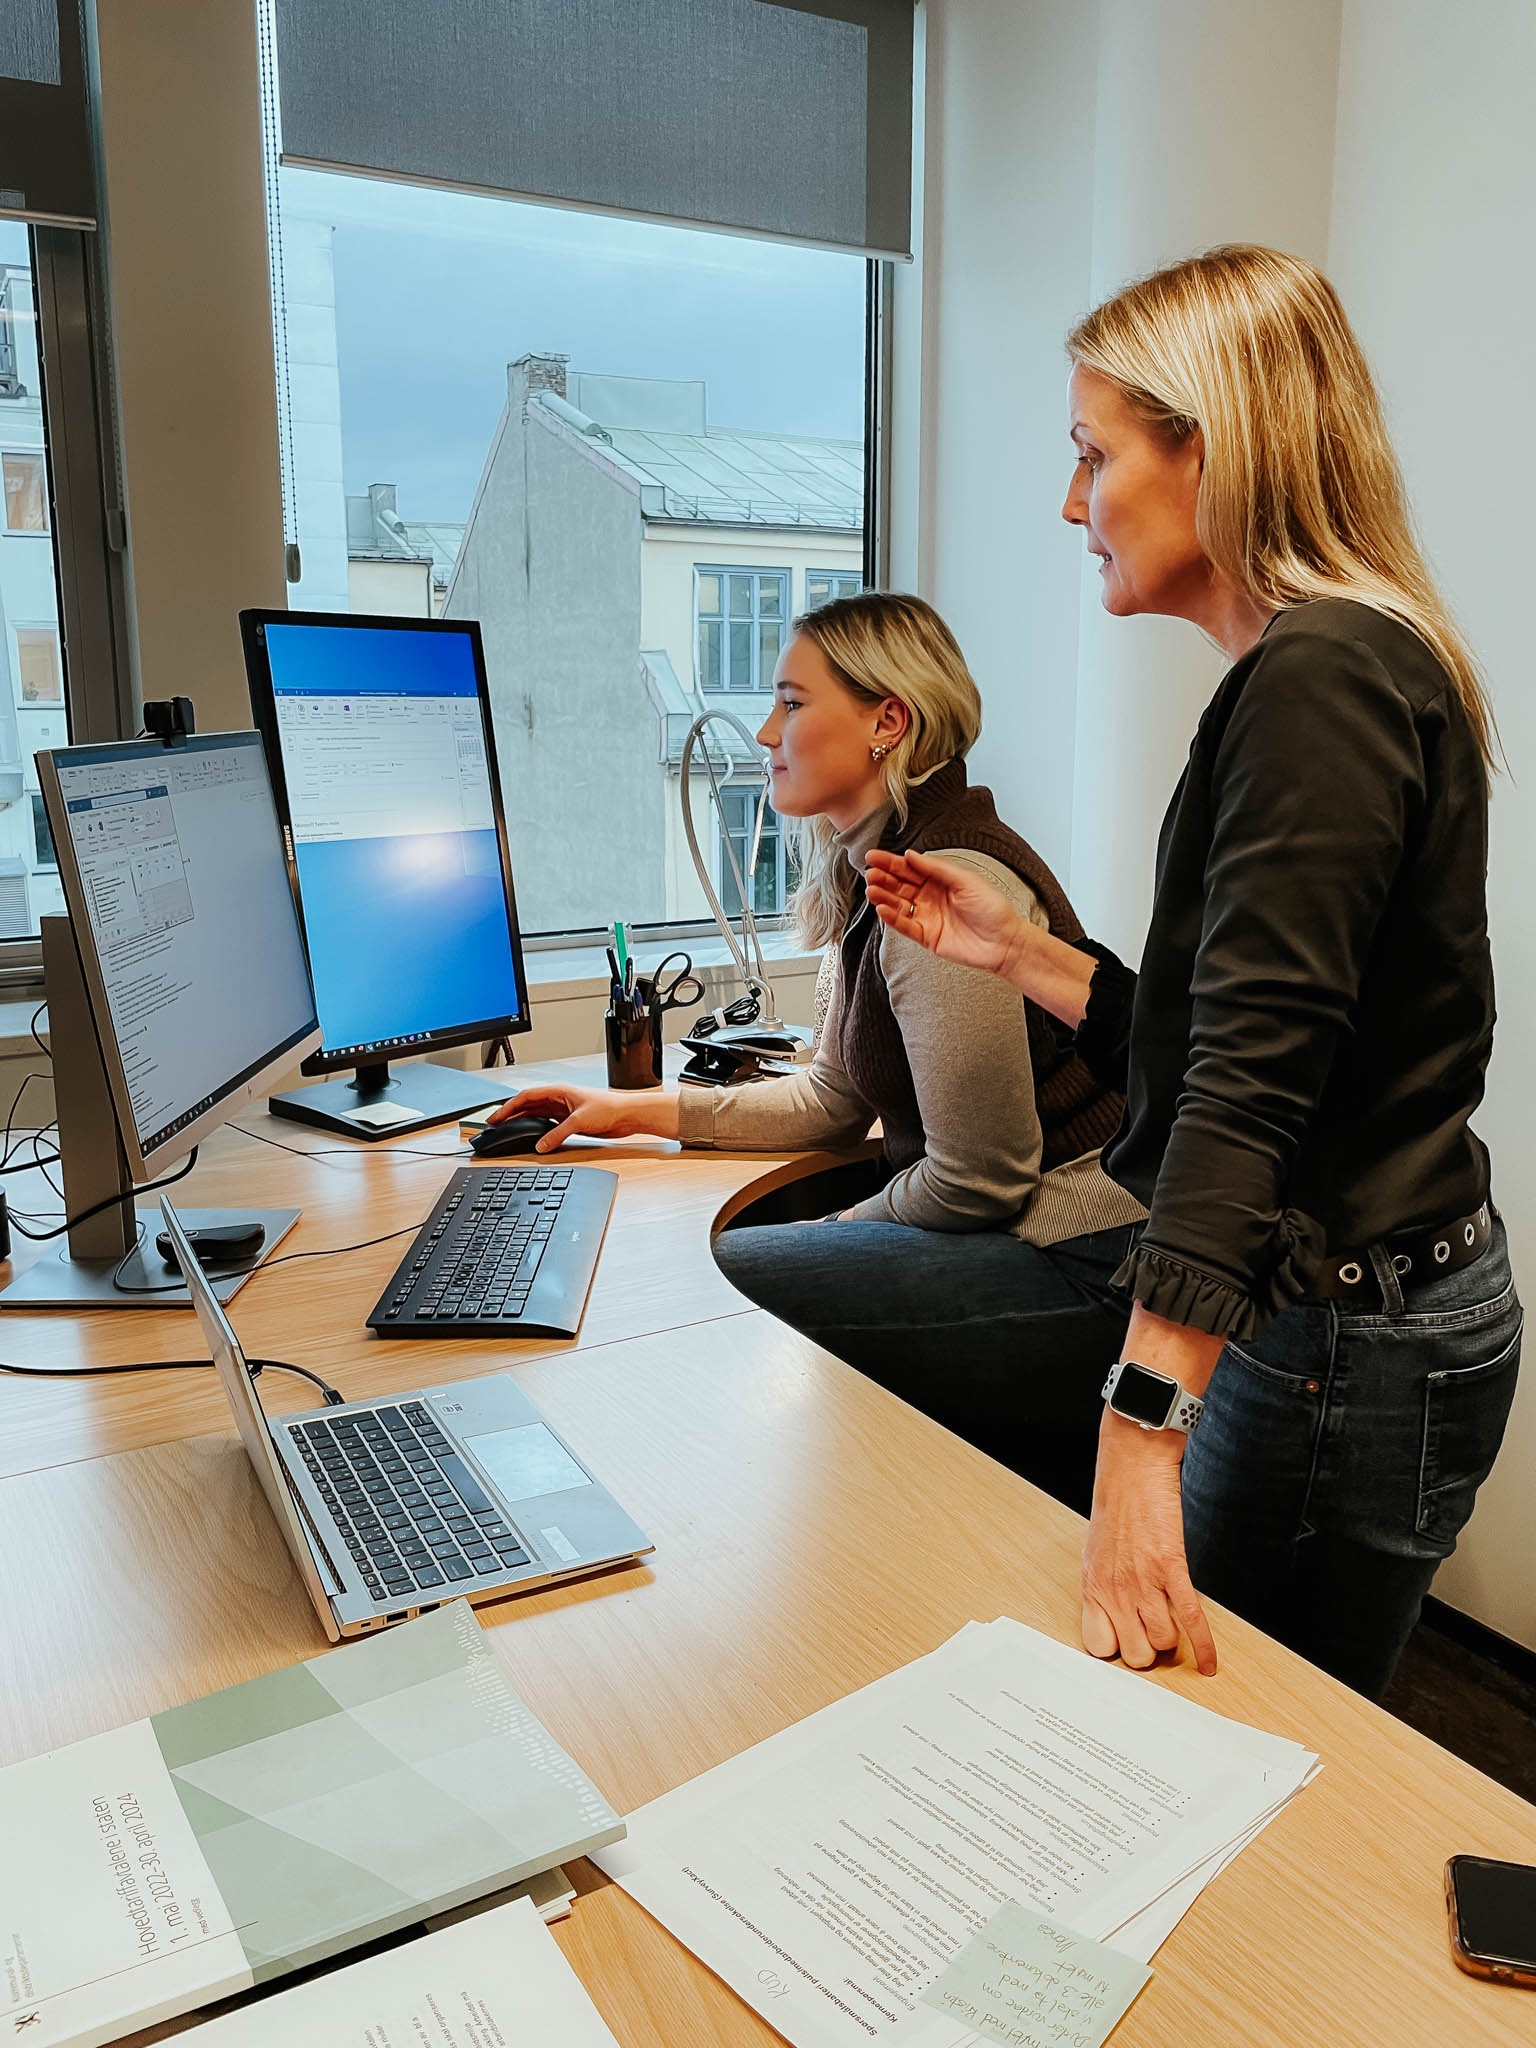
x: 437, y: 291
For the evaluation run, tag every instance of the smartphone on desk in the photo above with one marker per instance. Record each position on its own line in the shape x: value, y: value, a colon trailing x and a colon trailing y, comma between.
x: 1493, y: 1918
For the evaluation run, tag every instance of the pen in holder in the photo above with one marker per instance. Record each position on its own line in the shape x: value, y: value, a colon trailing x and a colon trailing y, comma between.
x: 632, y: 1041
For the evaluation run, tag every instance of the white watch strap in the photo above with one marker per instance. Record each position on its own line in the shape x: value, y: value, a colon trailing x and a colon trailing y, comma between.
x: 1185, y: 1411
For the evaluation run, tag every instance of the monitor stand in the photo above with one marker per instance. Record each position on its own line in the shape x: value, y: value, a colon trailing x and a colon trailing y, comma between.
x: 374, y: 1103
x: 109, y: 1260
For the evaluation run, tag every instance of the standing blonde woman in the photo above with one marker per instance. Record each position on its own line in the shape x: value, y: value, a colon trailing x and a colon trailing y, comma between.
x: 1306, y: 1040
x: 990, y: 1122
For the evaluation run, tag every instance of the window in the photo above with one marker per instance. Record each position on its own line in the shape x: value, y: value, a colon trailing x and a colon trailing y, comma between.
x: 42, y: 838
x: 581, y: 404
x: 26, y: 491
x: 10, y: 374
x: 40, y: 679
x: 823, y: 585
x: 742, y: 614
x: 54, y: 564
x: 775, y: 874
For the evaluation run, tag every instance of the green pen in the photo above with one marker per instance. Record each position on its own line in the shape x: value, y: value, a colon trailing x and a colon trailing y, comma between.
x: 623, y: 952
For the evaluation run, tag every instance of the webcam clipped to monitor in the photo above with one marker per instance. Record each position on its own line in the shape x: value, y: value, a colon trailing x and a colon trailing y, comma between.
x: 383, y: 766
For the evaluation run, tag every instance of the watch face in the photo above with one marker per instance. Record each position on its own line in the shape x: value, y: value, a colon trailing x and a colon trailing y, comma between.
x: 1144, y: 1395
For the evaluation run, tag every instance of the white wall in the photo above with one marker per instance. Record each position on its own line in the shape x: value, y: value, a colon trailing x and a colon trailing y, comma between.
x: 1067, y: 145
x: 1435, y: 187
x: 1004, y: 227
x: 1213, y: 123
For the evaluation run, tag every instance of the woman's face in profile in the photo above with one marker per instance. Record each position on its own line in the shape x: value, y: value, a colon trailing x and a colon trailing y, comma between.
x: 818, y: 737
x: 1134, y: 497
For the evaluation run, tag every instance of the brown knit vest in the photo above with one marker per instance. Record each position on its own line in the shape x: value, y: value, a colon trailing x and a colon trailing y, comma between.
x: 1077, y: 1115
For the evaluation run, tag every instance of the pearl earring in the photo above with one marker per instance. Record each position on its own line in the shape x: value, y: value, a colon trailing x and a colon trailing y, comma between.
x: 879, y: 753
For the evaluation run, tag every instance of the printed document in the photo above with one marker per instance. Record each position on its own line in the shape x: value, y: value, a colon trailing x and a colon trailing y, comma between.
x: 832, y: 1872
x: 496, y: 1979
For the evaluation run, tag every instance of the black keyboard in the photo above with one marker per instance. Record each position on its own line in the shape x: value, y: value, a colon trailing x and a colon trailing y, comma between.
x: 410, y: 1511
x: 508, y: 1251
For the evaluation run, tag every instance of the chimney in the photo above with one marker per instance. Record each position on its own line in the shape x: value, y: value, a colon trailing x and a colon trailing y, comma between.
x: 536, y: 372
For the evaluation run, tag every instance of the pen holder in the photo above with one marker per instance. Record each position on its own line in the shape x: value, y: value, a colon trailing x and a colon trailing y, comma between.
x: 633, y: 1046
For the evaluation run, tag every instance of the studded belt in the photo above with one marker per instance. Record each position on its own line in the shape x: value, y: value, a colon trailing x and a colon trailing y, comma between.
x: 1416, y: 1255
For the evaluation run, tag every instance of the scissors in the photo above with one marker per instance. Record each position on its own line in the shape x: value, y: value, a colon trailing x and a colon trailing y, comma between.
x: 682, y: 991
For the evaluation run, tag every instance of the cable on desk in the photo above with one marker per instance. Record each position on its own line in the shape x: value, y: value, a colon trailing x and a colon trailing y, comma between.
x: 348, y: 1151
x: 257, y: 1266
x: 107, y: 1202
x: 255, y: 1366
x: 10, y: 1145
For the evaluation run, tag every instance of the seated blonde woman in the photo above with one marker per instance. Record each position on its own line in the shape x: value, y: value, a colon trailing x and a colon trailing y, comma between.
x: 990, y: 1123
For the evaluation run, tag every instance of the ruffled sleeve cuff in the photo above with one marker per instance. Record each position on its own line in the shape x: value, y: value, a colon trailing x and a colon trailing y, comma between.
x: 1103, y: 1038
x: 1180, y: 1291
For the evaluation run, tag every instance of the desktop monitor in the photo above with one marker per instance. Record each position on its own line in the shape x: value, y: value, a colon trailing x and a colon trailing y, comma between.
x: 178, y: 989
x: 378, y: 735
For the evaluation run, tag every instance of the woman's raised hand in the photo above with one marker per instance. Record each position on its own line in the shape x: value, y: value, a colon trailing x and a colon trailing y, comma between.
x: 593, y: 1113
x: 958, y: 916
x: 945, y: 908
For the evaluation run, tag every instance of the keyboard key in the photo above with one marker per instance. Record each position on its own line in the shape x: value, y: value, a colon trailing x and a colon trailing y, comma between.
x: 427, y: 1576
x: 456, y: 1568
x: 470, y: 1489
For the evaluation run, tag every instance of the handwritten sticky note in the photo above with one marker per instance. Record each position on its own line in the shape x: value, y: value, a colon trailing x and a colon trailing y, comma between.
x: 1026, y: 1980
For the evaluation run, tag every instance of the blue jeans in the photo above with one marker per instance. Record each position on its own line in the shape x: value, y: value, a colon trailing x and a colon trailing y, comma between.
x: 1005, y: 1343
x: 1339, y: 1456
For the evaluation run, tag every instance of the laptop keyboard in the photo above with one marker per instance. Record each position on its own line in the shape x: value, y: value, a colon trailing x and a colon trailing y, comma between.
x: 410, y: 1511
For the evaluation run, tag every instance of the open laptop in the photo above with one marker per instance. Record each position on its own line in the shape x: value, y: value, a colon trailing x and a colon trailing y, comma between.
x: 394, y: 1505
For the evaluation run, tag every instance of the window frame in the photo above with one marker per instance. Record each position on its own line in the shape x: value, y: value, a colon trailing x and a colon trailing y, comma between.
x: 37, y: 455
x: 773, y: 829
x: 835, y: 576
x: 40, y: 820
x: 84, y: 499
x: 755, y: 620
x: 38, y: 626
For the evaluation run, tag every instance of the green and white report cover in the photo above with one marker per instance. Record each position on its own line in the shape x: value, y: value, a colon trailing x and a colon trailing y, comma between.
x: 222, y: 1844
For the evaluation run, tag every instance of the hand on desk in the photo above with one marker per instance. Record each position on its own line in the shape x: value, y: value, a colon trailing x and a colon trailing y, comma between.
x: 1138, y: 1597
x: 593, y: 1113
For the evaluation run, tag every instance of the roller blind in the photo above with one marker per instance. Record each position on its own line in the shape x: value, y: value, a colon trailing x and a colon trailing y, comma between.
x: 790, y: 119
x: 45, y: 137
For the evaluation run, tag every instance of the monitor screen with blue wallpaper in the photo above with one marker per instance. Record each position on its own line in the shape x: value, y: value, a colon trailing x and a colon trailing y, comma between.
x: 391, y: 800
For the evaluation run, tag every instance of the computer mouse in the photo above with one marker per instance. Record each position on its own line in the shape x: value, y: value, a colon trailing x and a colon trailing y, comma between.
x: 517, y: 1134
x: 215, y: 1244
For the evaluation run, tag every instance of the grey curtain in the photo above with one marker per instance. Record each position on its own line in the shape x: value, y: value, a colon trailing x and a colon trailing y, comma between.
x: 45, y: 138
x: 777, y: 117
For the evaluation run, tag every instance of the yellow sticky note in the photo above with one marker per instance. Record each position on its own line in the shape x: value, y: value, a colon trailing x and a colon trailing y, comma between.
x: 1029, y: 1981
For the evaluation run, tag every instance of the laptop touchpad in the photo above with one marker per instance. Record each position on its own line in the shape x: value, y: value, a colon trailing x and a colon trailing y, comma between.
x: 526, y: 1462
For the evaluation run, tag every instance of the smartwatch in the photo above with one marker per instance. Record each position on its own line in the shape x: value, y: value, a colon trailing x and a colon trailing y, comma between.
x: 1151, y: 1398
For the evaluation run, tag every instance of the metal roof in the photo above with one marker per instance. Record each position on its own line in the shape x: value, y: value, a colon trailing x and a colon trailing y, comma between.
x: 727, y: 477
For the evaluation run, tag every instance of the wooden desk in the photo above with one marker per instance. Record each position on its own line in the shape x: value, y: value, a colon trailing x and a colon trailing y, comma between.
x: 812, y: 1533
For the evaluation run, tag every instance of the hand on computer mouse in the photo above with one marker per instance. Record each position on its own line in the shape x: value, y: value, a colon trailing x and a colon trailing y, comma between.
x: 511, y: 1134
x: 589, y: 1112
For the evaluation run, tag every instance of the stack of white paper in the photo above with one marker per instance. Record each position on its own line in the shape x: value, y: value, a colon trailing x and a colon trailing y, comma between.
x: 829, y: 1874
x: 496, y: 1978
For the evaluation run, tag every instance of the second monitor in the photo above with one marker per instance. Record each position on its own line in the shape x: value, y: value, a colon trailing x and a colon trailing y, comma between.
x: 379, y: 737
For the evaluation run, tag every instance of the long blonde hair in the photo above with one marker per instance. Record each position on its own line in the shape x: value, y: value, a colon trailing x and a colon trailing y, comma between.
x: 882, y: 644
x: 1301, y: 496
